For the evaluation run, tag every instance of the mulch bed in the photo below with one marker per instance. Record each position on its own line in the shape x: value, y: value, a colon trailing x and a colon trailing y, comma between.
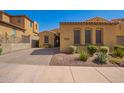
x: 62, y: 59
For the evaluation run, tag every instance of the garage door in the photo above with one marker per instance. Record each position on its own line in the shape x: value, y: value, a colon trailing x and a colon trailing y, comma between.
x: 34, y: 43
x: 120, y: 40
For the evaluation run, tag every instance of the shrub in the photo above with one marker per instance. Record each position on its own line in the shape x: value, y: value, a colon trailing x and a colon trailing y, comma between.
x: 1, y: 50
x: 72, y: 49
x: 118, y: 53
x: 118, y: 47
x: 49, y: 46
x: 104, y: 49
x: 101, y: 58
x: 83, y: 56
x: 116, y: 60
x: 92, y: 49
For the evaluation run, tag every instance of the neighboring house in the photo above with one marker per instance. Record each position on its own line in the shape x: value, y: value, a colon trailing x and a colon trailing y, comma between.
x: 49, y: 38
x: 98, y: 31
x: 20, y: 27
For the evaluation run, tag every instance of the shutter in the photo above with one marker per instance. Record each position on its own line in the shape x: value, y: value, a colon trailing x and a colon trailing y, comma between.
x: 77, y: 37
x: 98, y: 36
x: 87, y: 36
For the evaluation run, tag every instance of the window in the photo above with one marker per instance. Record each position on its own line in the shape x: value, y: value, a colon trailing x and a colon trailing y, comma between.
x: 19, y: 20
x: 120, y: 40
x: 76, y: 36
x: 30, y: 24
x: 13, y: 33
x: 99, y: 37
x: 36, y: 26
x: 46, y: 39
x: 88, y: 37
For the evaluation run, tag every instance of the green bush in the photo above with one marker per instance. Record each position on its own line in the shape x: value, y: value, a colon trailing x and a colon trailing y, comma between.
x: 72, y: 49
x: 1, y: 50
x: 49, y: 46
x: 115, y: 60
x: 118, y: 53
x: 101, y: 58
x: 92, y: 49
x: 118, y: 47
x: 104, y: 49
x: 83, y: 56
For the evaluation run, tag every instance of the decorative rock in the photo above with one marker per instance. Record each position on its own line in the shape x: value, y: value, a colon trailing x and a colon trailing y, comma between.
x: 122, y: 64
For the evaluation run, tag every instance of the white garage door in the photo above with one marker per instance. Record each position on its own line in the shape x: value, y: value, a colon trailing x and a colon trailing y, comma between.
x: 120, y: 40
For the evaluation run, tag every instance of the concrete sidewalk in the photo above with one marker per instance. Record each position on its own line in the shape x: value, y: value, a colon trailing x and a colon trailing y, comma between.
x: 18, y: 73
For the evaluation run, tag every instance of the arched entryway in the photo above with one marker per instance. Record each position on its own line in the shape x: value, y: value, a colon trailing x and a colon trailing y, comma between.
x: 57, y: 41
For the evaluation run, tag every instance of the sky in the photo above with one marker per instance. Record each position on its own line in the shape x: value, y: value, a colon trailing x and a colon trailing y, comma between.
x: 50, y: 19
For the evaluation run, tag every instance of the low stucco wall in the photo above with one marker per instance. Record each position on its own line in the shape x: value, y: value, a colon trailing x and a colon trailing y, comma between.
x: 13, y: 47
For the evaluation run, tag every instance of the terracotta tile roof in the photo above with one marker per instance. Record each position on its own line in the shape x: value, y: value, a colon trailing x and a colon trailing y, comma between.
x: 97, y: 19
x: 5, y: 13
x: 93, y: 21
x: 16, y: 15
x: 118, y: 20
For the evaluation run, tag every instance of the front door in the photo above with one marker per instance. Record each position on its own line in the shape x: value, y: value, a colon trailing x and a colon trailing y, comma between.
x: 57, y: 41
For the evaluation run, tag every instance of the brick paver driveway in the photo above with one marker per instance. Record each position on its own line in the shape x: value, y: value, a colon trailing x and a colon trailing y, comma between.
x: 31, y: 66
x: 34, y: 56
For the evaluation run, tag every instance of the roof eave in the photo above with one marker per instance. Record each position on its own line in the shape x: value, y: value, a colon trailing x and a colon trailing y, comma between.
x: 16, y: 27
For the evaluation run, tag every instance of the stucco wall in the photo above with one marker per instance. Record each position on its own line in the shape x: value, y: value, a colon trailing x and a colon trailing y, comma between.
x: 9, y: 30
x: 29, y: 29
x: 35, y: 27
x: 67, y: 34
x: 9, y: 47
x: 5, y: 18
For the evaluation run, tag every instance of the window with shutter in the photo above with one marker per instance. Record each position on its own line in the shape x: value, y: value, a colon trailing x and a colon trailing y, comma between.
x: 99, y: 37
x: 77, y: 37
x: 46, y: 39
x: 88, y: 37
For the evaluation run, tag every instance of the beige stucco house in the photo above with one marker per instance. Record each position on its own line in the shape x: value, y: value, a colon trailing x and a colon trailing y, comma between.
x: 98, y: 31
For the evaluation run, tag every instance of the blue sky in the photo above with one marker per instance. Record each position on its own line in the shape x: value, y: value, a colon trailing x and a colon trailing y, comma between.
x: 49, y: 19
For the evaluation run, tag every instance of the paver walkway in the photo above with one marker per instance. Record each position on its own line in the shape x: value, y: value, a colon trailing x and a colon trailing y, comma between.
x: 18, y: 73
